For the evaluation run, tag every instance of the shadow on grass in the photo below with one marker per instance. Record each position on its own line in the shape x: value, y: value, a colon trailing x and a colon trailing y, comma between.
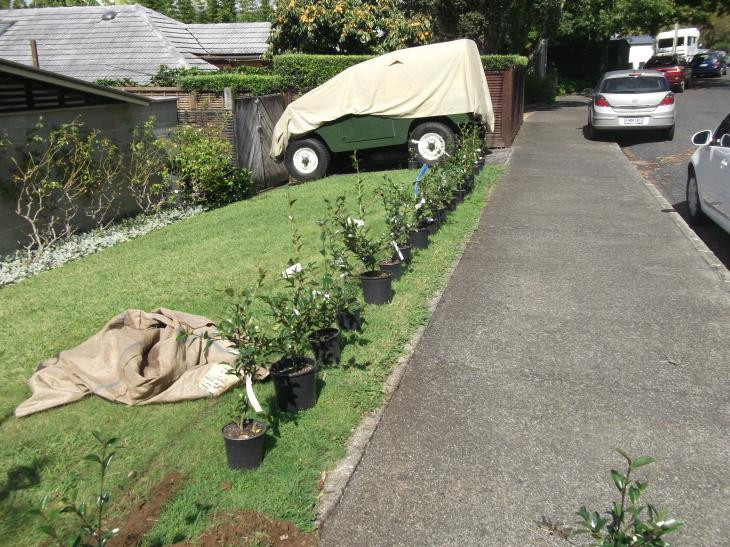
x: 22, y: 477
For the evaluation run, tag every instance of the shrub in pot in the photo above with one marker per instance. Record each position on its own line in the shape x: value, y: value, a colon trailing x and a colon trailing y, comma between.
x: 396, y: 199
x: 294, y: 374
x: 355, y: 237
x: 241, y: 333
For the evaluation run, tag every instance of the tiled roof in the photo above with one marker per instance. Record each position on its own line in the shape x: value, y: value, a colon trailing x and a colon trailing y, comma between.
x: 232, y: 38
x: 78, y: 42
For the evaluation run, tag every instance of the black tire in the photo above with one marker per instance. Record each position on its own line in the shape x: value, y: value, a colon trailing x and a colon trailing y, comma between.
x: 694, y: 206
x: 303, y: 152
x: 668, y: 134
x: 447, y: 140
x: 688, y: 83
x: 680, y: 88
x: 590, y: 132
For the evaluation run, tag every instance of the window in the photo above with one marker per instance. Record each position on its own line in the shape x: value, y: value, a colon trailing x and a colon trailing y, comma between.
x: 664, y: 60
x: 722, y: 135
x: 665, y: 43
x: 634, y: 84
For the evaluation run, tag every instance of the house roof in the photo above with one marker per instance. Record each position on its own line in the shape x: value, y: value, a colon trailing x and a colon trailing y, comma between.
x: 245, y: 39
x: 24, y: 87
x: 79, y: 42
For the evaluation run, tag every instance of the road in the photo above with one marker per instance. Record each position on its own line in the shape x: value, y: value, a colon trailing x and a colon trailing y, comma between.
x: 702, y: 106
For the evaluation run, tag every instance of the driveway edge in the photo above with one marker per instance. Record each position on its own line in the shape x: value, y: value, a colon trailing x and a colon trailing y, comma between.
x: 337, y: 480
x: 718, y: 267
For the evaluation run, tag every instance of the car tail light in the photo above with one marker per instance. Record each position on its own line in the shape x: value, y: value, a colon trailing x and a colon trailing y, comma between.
x: 666, y: 101
x: 716, y: 63
x: 601, y: 101
x: 674, y: 70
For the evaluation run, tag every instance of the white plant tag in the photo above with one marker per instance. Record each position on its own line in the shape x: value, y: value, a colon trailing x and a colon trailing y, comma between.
x: 420, y: 204
x: 356, y: 221
x: 217, y: 379
x: 251, y: 395
x: 291, y: 270
x: 397, y: 249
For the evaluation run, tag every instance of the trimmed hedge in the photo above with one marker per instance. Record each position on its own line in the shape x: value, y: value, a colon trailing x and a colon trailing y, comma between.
x: 503, y: 62
x: 301, y: 71
x: 250, y: 84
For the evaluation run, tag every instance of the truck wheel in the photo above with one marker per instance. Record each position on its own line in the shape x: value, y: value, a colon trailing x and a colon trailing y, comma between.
x: 429, y: 141
x: 307, y: 159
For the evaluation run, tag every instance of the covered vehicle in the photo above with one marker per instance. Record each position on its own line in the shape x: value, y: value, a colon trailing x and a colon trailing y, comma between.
x: 420, y: 94
x: 631, y: 100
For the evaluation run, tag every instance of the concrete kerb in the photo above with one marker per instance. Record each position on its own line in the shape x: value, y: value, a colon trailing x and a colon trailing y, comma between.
x: 718, y: 267
x: 337, y: 480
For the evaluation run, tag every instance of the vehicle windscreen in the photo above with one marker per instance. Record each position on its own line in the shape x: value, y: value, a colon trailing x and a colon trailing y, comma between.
x: 668, y: 42
x: 634, y: 84
x: 660, y: 61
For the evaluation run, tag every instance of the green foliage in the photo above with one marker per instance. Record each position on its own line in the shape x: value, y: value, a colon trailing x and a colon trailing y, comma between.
x: 630, y: 523
x: 200, y: 159
x: 250, y: 84
x: 147, y: 168
x: 346, y: 27
x: 167, y: 77
x: 303, y: 72
x: 396, y: 198
x: 116, y: 82
x: 503, y: 62
x: 90, y: 527
x: 540, y: 90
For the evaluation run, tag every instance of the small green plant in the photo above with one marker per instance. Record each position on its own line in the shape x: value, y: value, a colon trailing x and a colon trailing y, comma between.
x: 91, y: 528
x: 147, y: 168
x: 395, y: 200
x: 293, y: 310
x: 630, y: 524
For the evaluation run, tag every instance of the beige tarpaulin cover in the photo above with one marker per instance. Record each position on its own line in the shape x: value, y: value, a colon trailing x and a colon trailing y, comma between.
x: 135, y: 359
x: 433, y: 80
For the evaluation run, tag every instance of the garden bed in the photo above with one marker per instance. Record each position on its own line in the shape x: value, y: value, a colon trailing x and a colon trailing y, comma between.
x: 185, y: 266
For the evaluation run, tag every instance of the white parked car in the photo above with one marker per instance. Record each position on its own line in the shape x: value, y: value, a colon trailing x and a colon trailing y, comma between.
x: 632, y: 100
x: 708, y: 177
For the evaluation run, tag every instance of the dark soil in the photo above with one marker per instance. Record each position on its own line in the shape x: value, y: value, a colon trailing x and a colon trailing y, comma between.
x: 391, y: 262
x: 291, y: 368
x: 375, y: 274
x: 251, y: 429
x: 252, y: 528
x: 140, y: 520
x: 323, y: 335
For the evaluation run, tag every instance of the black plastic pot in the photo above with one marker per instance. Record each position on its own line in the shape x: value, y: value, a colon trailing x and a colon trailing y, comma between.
x: 452, y: 204
x: 295, y: 383
x: 349, y: 321
x: 376, y: 287
x: 244, y: 453
x: 460, y: 196
x: 393, y: 266
x: 432, y: 226
x: 405, y: 250
x: 325, y: 345
x: 475, y: 170
x: 418, y: 238
x: 442, y: 214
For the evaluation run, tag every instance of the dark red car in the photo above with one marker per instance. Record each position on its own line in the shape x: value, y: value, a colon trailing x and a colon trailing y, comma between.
x: 675, y: 68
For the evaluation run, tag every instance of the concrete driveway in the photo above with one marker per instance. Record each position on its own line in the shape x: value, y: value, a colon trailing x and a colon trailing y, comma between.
x: 579, y: 319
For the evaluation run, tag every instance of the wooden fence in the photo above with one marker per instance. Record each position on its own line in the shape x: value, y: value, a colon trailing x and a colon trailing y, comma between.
x: 507, y: 89
x: 254, y: 120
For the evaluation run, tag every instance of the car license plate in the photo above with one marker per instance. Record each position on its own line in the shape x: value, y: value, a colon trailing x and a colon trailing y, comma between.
x: 634, y: 121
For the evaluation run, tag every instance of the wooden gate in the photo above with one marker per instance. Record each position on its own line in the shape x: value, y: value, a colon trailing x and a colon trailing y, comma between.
x: 255, y: 118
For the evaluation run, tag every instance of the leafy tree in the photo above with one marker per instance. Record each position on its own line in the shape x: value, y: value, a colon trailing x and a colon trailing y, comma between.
x: 227, y: 11
x: 186, y: 11
x: 212, y: 11
x: 346, y: 26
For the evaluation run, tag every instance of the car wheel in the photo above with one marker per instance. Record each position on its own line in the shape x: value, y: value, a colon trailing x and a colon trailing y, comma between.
x: 307, y: 159
x: 694, y: 208
x: 590, y: 132
x: 680, y: 88
x: 668, y: 134
x: 429, y: 141
x: 688, y: 83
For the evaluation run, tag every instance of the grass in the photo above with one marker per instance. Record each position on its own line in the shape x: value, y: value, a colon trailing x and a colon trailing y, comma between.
x: 186, y: 266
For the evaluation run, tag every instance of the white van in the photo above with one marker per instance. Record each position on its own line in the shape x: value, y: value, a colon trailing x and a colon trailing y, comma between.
x: 688, y: 40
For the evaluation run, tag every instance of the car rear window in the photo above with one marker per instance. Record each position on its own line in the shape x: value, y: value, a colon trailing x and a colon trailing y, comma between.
x: 635, y: 84
x: 661, y: 61
x: 700, y: 57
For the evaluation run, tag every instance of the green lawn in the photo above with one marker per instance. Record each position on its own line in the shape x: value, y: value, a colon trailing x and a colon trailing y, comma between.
x: 185, y: 266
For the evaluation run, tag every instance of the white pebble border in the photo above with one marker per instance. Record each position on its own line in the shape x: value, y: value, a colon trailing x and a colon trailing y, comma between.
x: 16, y: 267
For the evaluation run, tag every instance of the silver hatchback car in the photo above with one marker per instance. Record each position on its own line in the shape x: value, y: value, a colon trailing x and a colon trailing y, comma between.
x: 631, y: 100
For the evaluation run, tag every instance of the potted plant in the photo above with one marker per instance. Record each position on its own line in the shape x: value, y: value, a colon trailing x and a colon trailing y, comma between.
x: 418, y: 235
x: 396, y: 199
x: 241, y: 333
x: 294, y: 374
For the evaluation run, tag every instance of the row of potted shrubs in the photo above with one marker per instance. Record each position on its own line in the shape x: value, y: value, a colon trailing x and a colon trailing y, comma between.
x: 322, y: 297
